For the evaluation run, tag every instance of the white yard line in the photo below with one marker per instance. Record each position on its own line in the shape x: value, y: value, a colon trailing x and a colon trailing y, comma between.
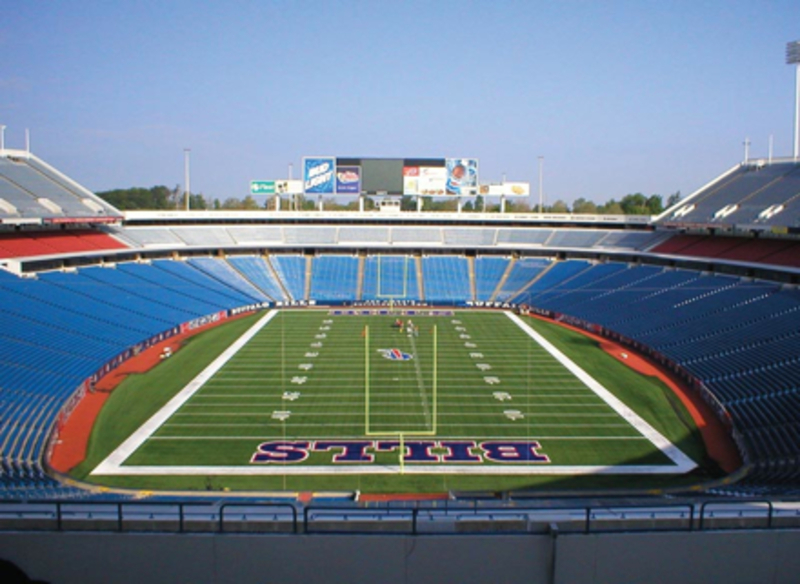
x: 683, y: 462
x: 112, y: 464
x: 363, y: 469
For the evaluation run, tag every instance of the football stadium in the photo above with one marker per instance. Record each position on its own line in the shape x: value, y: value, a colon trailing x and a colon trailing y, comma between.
x: 403, y: 373
x: 390, y: 365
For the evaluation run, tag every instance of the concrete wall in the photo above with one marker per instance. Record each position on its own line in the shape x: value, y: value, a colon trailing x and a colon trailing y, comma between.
x: 86, y: 558
x: 136, y: 558
x: 724, y: 556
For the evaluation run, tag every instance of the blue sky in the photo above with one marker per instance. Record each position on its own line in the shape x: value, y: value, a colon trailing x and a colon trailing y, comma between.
x: 618, y: 97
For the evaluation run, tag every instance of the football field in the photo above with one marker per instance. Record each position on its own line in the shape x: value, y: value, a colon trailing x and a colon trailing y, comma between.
x: 325, y: 392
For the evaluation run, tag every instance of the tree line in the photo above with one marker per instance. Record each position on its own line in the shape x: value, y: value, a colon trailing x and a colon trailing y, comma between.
x: 163, y: 198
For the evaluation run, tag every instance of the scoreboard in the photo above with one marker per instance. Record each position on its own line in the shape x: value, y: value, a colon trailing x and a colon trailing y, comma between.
x: 327, y: 175
x: 418, y: 177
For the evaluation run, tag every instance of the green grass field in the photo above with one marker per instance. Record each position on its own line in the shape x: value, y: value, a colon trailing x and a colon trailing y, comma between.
x: 472, y: 402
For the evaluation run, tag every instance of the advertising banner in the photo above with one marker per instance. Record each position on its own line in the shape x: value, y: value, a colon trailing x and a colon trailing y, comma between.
x: 506, y: 189
x: 319, y: 175
x: 462, y: 176
x: 516, y: 189
x: 348, y: 180
x: 289, y: 187
x: 424, y: 180
x: 491, y: 190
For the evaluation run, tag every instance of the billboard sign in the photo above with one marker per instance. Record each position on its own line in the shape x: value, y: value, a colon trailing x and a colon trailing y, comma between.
x: 424, y: 180
x: 348, y: 180
x: 462, y: 176
x: 506, y: 189
x: 516, y: 189
x: 262, y: 187
x: 319, y: 175
x: 289, y: 187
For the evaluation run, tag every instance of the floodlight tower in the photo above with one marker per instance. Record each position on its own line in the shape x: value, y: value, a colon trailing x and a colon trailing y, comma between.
x: 2, y: 138
x: 541, y: 190
x: 793, y: 58
x: 186, y: 184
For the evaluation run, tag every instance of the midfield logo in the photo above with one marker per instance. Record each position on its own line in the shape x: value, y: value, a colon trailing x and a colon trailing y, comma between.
x: 395, y: 355
x: 416, y: 451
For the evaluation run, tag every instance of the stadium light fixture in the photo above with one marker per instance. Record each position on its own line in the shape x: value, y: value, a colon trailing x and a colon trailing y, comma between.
x: 793, y: 58
x: 186, y: 187
x: 541, y: 190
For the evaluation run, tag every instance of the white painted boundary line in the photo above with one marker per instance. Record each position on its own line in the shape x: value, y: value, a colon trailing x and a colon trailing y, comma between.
x: 683, y: 462
x: 112, y: 464
x: 374, y: 469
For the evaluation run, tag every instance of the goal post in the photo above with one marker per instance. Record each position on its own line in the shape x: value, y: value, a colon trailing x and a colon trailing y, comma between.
x: 387, y: 277
x: 370, y: 429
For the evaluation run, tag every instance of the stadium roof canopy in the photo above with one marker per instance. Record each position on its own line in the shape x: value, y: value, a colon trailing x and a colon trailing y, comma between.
x: 33, y: 192
x: 758, y: 195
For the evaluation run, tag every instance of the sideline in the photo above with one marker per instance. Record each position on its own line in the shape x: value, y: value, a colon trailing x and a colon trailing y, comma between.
x: 114, y: 461
x: 683, y: 462
x: 717, y: 439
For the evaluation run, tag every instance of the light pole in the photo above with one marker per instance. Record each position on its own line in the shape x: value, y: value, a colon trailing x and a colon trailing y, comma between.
x: 186, y: 185
x: 2, y: 138
x: 793, y: 58
x: 541, y: 190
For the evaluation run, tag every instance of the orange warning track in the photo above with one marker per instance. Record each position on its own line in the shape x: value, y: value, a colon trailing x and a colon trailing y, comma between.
x: 70, y: 449
x: 716, y: 437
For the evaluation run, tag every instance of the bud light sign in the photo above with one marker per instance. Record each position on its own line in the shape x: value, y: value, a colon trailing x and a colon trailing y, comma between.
x: 319, y: 176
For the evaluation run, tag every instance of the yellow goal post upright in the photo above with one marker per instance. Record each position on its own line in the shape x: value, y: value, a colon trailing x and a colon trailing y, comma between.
x: 401, y: 434
x: 381, y: 291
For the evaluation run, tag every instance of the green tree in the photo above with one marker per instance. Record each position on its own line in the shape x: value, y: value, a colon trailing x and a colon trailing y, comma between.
x: 197, y: 202
x: 635, y: 204
x: 517, y: 206
x: 408, y: 203
x: 158, y: 197
x: 249, y: 203
x: 611, y: 208
x: 231, y: 204
x: 654, y: 205
x: 559, y: 207
x: 584, y: 207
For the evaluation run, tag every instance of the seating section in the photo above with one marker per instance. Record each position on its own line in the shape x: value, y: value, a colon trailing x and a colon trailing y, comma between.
x: 390, y: 277
x: 779, y: 252
x: 334, y: 278
x: 29, y: 189
x: 489, y: 272
x: 40, y: 243
x: 291, y: 270
x: 446, y: 279
x: 754, y: 194
x: 423, y: 236
x: 739, y: 337
x: 60, y: 328
x: 232, y: 283
x: 533, y: 275
x: 257, y: 271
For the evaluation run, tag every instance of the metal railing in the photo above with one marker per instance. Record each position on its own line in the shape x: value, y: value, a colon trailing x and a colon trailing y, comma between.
x: 420, y: 519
